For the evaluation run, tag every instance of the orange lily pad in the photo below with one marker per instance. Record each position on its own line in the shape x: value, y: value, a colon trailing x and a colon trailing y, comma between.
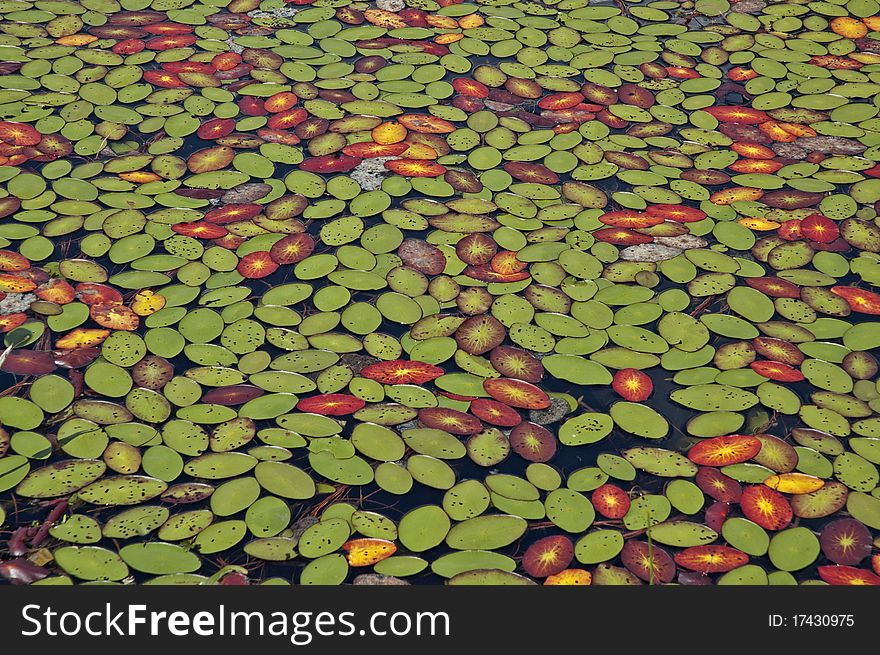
x: 9, y: 322
x: 368, y: 551
x: 19, y: 134
x: 13, y: 261
x: 10, y: 283
x: 92, y: 293
x: 114, y: 317
x: 570, y: 577
x: 369, y: 149
x: 82, y: 338
x: 56, y: 290
x: 415, y: 167
x: 426, y: 124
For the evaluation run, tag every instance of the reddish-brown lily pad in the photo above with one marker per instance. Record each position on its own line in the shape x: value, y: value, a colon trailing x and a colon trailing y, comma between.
x: 548, y: 556
x: 516, y: 393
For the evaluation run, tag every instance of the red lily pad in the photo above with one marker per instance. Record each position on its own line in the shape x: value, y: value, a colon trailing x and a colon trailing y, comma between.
x: 76, y: 357
x: 154, y: 372
x: 610, y: 501
x: 630, y: 218
x: 516, y: 363
x: 485, y: 274
x: 237, y: 394
x: 533, y: 442
x: 841, y: 575
x: 716, y: 515
x: 164, y: 79
x: 450, y: 420
x: 718, y: 486
x: 233, y: 213
x: 548, y: 556
x: 11, y: 321
x: 528, y: 171
x: 19, y: 134
x: 648, y: 562
x: 28, y: 362
x: 331, y: 404
x: 563, y: 100
x: 516, y: 393
x: 216, y: 128
x: 471, y: 88
x: 766, y: 507
x: 255, y: 265
x: 56, y: 290
x: 369, y: 149
x: 737, y: 114
x: 286, y: 120
x: 292, y: 249
x: 711, y: 558
x: 819, y: 228
x: 114, y: 317
x: 677, y: 213
x: 632, y: 384
x: 402, y: 371
x: 200, y: 230
x: 506, y: 263
x: 329, y: 163
x: 777, y: 371
x: 774, y: 287
x: 846, y: 541
x: 621, y: 236
x: 859, y: 300
x: 790, y: 230
x: 495, y: 413
x: 426, y: 124
x: 778, y: 350
x: 13, y: 261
